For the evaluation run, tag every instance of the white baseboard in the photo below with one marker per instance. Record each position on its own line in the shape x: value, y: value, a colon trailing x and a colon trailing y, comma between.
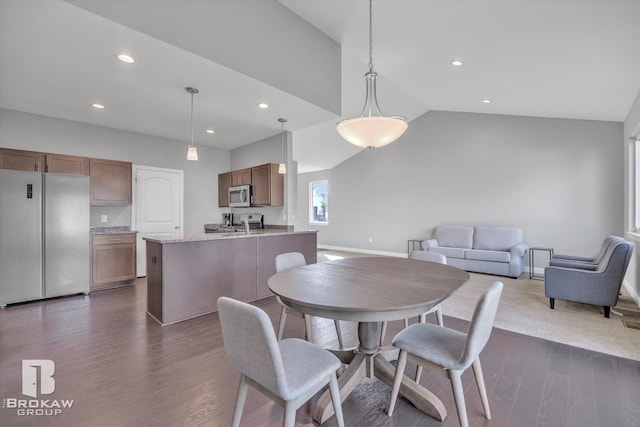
x: 632, y: 292
x: 364, y: 251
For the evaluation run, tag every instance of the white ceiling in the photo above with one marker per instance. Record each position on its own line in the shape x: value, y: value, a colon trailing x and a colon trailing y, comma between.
x: 562, y: 59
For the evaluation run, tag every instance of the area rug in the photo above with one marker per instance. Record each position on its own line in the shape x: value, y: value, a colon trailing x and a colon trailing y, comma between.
x: 524, y: 309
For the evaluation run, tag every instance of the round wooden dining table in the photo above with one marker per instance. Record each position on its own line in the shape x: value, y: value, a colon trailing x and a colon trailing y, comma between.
x: 369, y: 290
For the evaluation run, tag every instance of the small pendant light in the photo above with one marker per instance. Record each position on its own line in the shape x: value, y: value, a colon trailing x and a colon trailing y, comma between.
x: 192, y: 152
x: 282, y: 167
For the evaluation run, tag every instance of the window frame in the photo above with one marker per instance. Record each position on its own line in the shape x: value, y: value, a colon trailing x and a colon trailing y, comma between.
x: 313, y: 221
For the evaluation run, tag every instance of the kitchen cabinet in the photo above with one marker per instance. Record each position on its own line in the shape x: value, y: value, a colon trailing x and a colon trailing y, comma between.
x: 110, y: 182
x: 241, y: 177
x: 21, y: 160
x: 113, y: 260
x: 60, y: 163
x: 267, y: 185
x: 224, y: 182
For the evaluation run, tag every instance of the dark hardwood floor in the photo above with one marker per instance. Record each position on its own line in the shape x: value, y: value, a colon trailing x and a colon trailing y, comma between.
x: 121, y: 368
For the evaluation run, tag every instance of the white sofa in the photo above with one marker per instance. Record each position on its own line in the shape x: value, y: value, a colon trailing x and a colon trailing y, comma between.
x: 483, y: 249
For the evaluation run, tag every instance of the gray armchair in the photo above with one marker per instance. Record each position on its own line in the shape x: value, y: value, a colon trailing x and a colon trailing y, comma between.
x: 600, y: 287
x: 584, y: 263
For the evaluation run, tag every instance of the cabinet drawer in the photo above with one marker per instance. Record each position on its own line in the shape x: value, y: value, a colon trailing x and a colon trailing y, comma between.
x: 113, y: 239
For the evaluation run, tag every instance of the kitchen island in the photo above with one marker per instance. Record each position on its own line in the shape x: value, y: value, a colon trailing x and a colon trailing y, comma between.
x: 186, y: 275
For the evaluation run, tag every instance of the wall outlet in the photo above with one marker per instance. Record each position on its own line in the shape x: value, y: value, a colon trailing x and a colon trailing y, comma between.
x: 284, y: 217
x: 103, y: 218
x: 370, y: 239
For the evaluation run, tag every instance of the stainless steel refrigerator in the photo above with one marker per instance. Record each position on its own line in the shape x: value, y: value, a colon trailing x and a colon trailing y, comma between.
x: 44, y: 235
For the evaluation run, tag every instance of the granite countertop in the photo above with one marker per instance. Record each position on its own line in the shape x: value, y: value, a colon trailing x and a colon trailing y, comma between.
x: 124, y: 229
x: 221, y: 236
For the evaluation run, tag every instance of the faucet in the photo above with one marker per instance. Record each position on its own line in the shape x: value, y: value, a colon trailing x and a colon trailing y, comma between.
x: 246, y: 225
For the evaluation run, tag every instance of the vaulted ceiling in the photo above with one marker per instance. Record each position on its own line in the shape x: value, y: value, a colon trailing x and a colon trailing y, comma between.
x: 562, y: 59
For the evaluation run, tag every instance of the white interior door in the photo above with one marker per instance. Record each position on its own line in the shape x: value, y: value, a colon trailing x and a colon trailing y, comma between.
x: 157, y: 209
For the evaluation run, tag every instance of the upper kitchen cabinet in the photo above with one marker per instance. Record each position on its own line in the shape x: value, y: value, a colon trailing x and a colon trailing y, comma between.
x: 267, y: 185
x: 110, y: 182
x: 59, y: 163
x: 224, y: 182
x: 241, y: 177
x: 21, y: 160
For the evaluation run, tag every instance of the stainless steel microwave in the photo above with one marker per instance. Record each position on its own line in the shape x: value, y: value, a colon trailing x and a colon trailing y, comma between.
x: 240, y: 196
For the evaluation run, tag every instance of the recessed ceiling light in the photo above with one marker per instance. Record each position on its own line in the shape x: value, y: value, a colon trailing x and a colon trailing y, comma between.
x: 125, y: 58
x: 456, y: 62
x: 263, y: 105
x: 210, y: 131
x: 98, y: 106
x: 486, y: 101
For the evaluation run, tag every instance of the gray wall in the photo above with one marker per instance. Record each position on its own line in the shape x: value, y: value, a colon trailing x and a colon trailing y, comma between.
x: 561, y: 181
x: 38, y: 133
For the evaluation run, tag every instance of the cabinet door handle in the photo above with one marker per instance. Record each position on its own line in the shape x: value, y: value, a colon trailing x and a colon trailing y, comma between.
x: 115, y: 240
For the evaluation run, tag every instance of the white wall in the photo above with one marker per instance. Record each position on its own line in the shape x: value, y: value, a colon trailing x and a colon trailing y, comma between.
x: 561, y: 181
x: 38, y: 133
x: 632, y: 128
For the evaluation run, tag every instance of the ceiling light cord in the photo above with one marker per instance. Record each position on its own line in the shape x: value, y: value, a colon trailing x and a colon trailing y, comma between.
x: 371, y: 36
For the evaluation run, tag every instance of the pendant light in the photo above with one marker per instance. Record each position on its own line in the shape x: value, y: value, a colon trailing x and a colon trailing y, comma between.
x: 372, y: 129
x: 282, y: 167
x: 192, y: 152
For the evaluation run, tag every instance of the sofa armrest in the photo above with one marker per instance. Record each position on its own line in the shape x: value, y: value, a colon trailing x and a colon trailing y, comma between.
x: 429, y: 243
x: 519, y: 250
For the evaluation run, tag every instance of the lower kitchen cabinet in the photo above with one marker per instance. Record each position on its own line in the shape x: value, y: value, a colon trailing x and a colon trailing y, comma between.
x: 113, y: 262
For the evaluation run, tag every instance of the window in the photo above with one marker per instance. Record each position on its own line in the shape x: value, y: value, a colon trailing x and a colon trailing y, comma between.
x: 637, y: 184
x: 318, y: 202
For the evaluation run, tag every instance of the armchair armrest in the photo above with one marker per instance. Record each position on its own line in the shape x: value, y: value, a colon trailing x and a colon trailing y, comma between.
x: 572, y: 258
x: 429, y: 243
x: 519, y: 250
x: 590, y: 287
x: 572, y: 264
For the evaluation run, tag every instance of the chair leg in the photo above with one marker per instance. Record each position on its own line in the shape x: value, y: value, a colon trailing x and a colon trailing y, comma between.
x: 397, y: 379
x: 339, y: 334
x: 458, y: 396
x: 283, y: 318
x: 307, y: 328
x: 418, y: 373
x: 243, y: 387
x: 289, y: 415
x: 335, y: 399
x: 552, y: 303
x: 439, y: 315
x: 607, y: 311
x: 477, y: 372
x: 384, y: 331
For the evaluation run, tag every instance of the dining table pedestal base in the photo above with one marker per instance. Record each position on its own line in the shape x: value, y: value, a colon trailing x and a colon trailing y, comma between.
x: 370, y: 361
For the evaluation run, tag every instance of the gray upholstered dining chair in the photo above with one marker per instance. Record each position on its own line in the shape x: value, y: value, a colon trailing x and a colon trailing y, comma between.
x: 285, y: 262
x: 427, y: 344
x: 429, y: 257
x: 289, y: 372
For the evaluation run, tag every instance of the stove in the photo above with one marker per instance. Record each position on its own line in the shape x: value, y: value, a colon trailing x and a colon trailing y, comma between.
x: 255, y: 220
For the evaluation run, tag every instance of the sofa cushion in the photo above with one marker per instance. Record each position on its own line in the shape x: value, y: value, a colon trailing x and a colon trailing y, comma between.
x: 496, y: 238
x: 449, y: 252
x: 482, y: 255
x: 454, y: 236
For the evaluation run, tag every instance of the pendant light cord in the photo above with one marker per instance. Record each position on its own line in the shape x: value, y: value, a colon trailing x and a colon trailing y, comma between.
x: 192, y: 118
x: 370, y: 36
